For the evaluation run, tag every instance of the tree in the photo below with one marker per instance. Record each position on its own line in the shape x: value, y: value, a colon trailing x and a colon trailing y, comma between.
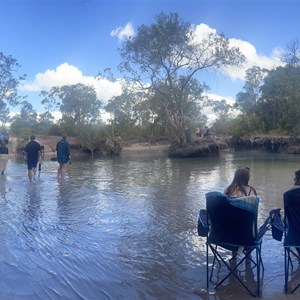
x: 9, y: 80
x: 246, y: 100
x: 45, y: 123
x: 279, y: 102
x: 25, y: 123
x: 165, y: 57
x: 91, y: 137
x: 291, y: 55
x: 78, y: 102
x: 4, y: 113
x: 121, y: 111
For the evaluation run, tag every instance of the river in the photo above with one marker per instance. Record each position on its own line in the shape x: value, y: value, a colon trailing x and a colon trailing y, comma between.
x: 125, y: 228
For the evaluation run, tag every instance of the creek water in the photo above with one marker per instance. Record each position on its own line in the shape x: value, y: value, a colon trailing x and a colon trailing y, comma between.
x: 125, y: 228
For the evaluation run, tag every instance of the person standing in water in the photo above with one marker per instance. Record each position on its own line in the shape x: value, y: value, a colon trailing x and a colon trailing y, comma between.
x: 63, y: 156
x: 3, y: 157
x: 32, y: 154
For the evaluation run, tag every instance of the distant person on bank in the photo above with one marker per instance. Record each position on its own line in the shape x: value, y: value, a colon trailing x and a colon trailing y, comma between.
x: 63, y: 156
x: 32, y: 155
x: 3, y: 157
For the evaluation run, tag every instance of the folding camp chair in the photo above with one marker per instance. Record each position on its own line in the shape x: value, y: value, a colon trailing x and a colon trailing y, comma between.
x: 291, y: 200
x: 232, y: 225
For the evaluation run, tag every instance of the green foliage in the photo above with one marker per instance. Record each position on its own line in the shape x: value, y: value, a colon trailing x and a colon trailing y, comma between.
x: 278, y: 107
x: 9, y: 80
x: 91, y: 137
x: 26, y: 121
x: 68, y: 126
x: 243, y: 125
x: 77, y: 101
x: 164, y: 58
x: 247, y: 99
x: 291, y: 55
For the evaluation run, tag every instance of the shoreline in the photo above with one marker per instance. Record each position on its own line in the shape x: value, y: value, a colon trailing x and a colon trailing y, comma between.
x: 145, y: 149
x: 49, y: 143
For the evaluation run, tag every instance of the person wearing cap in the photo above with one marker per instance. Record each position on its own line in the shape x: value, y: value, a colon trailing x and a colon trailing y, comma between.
x: 63, y: 156
x: 32, y: 153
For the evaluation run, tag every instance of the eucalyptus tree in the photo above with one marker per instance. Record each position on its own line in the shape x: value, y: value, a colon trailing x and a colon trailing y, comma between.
x: 45, y: 123
x: 165, y: 57
x: 246, y: 100
x: 280, y: 98
x: 78, y: 103
x: 9, y: 81
x: 291, y: 54
x: 4, y: 113
x: 25, y: 122
x: 91, y: 137
x: 120, y: 109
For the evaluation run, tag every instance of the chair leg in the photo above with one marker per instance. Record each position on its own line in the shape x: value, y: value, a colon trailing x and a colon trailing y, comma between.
x: 288, y: 262
x: 207, y: 268
x: 215, y: 258
x: 258, y: 264
x: 286, y: 268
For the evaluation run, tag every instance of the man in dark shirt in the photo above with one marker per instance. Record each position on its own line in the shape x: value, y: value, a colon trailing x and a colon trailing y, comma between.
x: 63, y: 155
x: 33, y: 155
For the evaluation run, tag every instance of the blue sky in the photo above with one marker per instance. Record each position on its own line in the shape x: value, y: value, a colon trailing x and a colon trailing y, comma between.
x: 65, y: 42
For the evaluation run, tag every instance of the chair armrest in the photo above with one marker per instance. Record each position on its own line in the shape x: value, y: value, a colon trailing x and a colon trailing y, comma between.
x: 203, y: 226
x: 277, y: 224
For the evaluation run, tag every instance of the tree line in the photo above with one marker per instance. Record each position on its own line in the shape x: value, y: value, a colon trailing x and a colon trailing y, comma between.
x: 162, y: 97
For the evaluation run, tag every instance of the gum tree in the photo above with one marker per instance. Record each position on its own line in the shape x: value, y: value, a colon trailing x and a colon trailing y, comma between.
x: 9, y: 80
x: 78, y: 103
x: 165, y: 57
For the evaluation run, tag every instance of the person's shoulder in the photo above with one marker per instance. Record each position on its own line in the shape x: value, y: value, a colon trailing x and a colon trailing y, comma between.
x: 293, y: 187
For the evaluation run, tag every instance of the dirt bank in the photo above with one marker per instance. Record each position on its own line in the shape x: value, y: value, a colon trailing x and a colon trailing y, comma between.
x: 49, y: 143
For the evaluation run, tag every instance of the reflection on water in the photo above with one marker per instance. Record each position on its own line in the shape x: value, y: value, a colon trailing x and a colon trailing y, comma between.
x: 126, y: 228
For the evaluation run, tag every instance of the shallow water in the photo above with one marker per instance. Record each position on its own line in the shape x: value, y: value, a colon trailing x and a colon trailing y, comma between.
x: 125, y: 228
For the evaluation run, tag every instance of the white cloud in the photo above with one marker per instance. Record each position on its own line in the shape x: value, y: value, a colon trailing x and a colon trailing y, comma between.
x: 123, y: 32
x: 208, y: 111
x: 66, y: 74
x: 253, y: 58
x: 228, y: 99
x: 202, y: 31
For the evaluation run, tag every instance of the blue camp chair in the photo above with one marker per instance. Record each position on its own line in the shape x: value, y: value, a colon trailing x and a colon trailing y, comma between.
x: 231, y: 223
x: 291, y: 200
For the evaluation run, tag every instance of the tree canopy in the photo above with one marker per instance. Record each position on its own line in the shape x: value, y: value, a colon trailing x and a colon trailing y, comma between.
x: 164, y: 59
x: 9, y: 80
x: 76, y: 102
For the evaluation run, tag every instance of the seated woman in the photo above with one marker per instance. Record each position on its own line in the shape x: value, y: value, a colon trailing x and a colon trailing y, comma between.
x: 239, y: 186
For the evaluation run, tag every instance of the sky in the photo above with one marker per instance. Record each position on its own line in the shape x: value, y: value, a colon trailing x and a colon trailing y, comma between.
x: 67, y: 42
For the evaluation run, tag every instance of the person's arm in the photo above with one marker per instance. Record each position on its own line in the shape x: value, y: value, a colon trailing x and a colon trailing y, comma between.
x: 69, y: 153
x: 25, y: 153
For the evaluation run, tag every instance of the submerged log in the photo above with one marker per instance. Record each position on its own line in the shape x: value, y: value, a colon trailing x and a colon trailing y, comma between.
x: 198, y: 148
